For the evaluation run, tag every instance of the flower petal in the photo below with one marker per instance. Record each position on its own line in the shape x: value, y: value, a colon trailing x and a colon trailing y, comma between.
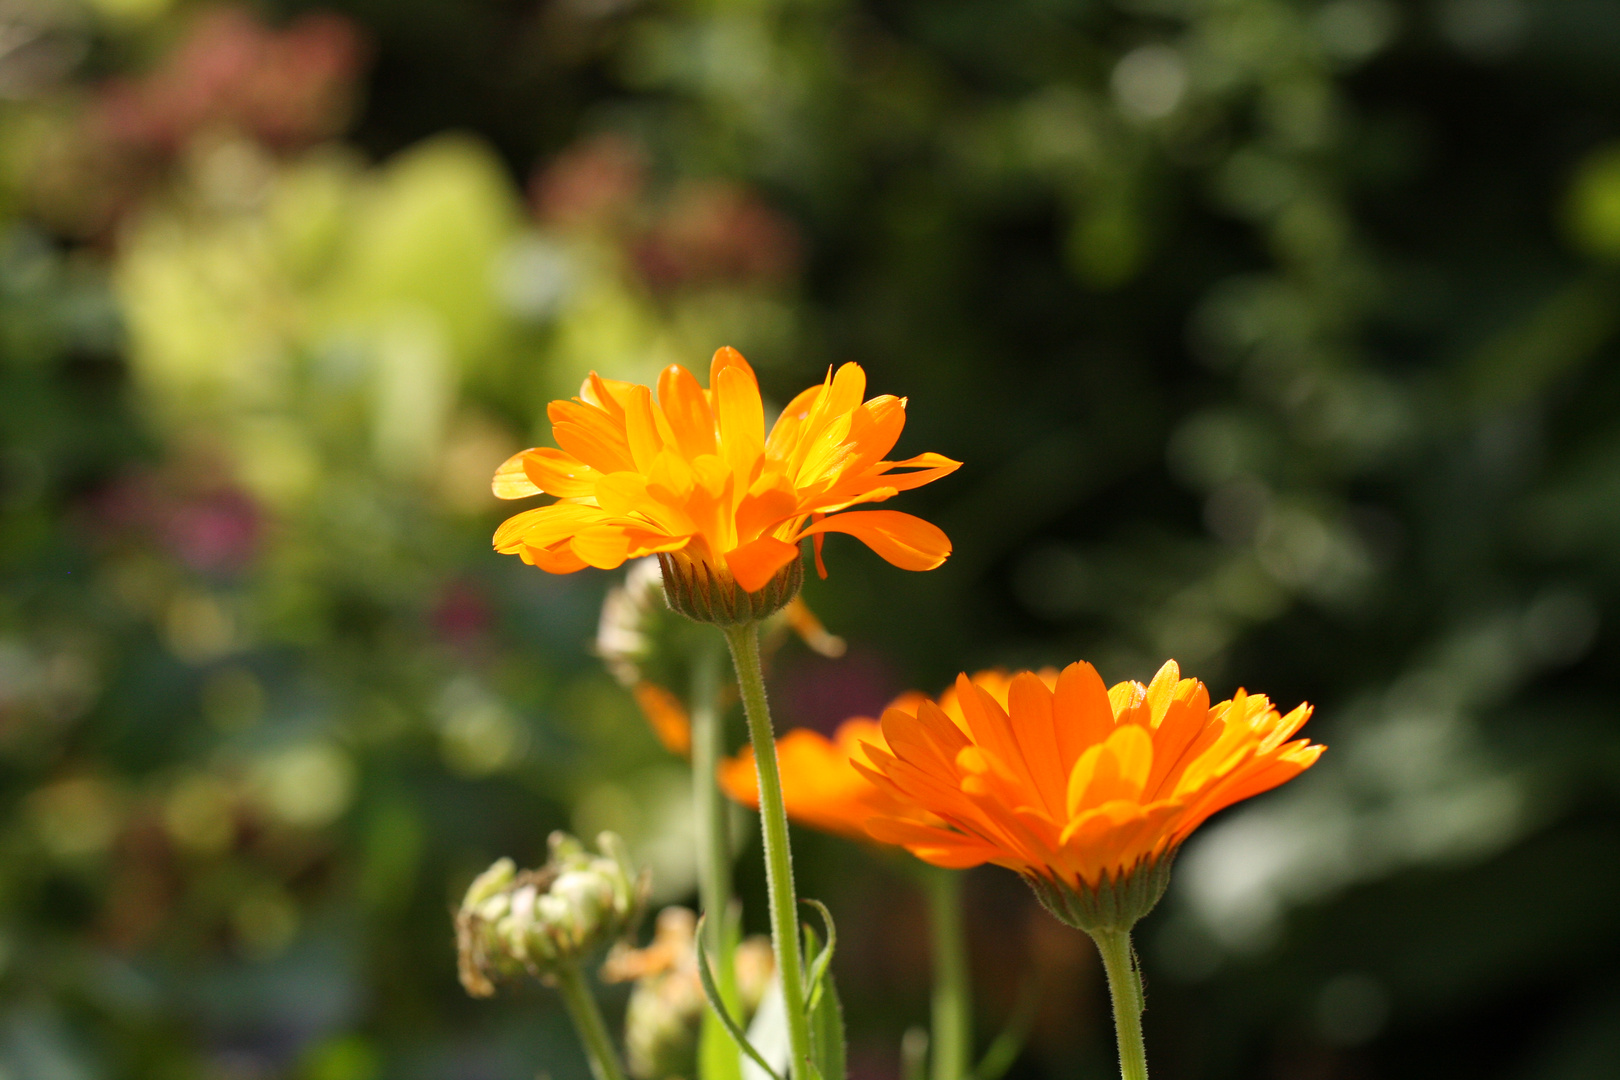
x: 511, y: 482
x: 556, y: 473
x: 903, y: 540
x: 756, y: 562
x: 690, y: 417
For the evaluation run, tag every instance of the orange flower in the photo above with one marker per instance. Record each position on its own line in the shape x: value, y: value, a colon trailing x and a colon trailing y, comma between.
x: 1071, y: 784
x: 693, y: 475
x: 820, y: 785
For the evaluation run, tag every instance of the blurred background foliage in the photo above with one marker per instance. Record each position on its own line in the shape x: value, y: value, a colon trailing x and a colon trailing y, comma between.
x: 1277, y: 335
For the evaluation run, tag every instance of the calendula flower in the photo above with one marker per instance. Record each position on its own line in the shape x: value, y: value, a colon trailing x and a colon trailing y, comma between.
x: 1087, y: 792
x: 692, y: 476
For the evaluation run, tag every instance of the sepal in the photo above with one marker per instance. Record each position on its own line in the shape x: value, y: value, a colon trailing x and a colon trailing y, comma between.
x: 1115, y: 903
x: 707, y: 593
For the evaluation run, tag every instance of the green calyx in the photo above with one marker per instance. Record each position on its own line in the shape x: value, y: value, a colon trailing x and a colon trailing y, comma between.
x: 709, y: 594
x: 1114, y: 904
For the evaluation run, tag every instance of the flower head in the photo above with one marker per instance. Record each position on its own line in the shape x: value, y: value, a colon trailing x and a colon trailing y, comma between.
x: 1075, y: 786
x: 692, y: 476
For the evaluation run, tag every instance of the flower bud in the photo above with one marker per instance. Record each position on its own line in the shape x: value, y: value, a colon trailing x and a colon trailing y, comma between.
x: 532, y: 922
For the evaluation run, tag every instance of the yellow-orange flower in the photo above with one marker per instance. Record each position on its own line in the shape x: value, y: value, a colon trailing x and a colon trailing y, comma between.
x: 693, y: 472
x: 822, y: 789
x: 1063, y: 780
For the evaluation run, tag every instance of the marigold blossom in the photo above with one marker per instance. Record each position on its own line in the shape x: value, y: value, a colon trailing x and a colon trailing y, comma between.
x: 1065, y: 781
x: 693, y: 475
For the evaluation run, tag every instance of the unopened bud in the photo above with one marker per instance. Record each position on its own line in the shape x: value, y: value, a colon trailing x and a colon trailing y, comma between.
x: 532, y: 922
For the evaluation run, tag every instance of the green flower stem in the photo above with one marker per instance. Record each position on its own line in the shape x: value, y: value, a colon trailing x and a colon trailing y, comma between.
x: 713, y: 839
x: 587, y: 1018
x: 1125, y: 987
x: 744, y: 642
x: 952, y: 1036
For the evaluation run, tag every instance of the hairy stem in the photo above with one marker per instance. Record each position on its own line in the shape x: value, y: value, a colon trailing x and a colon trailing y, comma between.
x: 1125, y: 987
x: 713, y: 839
x: 744, y: 642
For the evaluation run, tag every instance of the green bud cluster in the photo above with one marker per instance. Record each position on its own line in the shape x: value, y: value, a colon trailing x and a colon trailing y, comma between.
x: 532, y: 922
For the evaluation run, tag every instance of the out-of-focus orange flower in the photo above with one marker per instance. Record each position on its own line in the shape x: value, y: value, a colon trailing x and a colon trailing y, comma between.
x: 666, y: 715
x: 821, y: 787
x: 1070, y: 783
x: 692, y: 475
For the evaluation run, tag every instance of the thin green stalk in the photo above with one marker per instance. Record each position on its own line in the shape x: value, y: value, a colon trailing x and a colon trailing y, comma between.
x: 744, y: 642
x: 587, y: 1018
x: 713, y: 839
x: 1125, y: 987
x: 952, y: 1036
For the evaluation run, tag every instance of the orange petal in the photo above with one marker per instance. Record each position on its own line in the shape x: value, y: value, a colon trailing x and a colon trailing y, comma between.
x: 1029, y: 708
x: 930, y: 467
x: 1081, y: 712
x: 666, y: 716
x: 602, y: 450
x: 511, y: 482
x: 556, y: 473
x: 725, y: 357
x: 641, y: 428
x: 742, y: 419
x: 1112, y: 770
x: 904, y: 540
x: 553, y: 560
x: 602, y: 546
x: 688, y: 411
x: 546, y: 525
x: 756, y: 562
x: 763, y: 508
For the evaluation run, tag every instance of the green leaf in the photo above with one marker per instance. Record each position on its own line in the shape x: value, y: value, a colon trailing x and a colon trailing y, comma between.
x: 818, y: 966
x: 1010, y: 1042
x: 717, y: 1007
x: 827, y: 1031
x: 718, y: 1055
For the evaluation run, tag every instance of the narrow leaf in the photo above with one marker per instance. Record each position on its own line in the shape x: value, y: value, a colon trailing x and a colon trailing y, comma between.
x: 1006, y: 1047
x: 818, y: 966
x: 827, y: 1031
x: 718, y: 1006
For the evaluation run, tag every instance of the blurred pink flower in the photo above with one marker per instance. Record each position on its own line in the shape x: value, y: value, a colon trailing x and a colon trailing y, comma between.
x: 590, y: 183
x: 717, y: 232
x: 284, y: 88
